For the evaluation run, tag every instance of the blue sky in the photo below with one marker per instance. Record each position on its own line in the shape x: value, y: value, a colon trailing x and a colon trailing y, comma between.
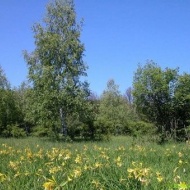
x: 117, y: 36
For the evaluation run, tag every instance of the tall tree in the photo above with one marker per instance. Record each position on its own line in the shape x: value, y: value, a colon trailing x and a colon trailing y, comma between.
x: 154, y: 91
x: 4, y: 86
x: 55, y: 67
x: 9, y: 112
x: 182, y: 106
x: 4, y: 83
x: 21, y: 96
x: 113, y: 109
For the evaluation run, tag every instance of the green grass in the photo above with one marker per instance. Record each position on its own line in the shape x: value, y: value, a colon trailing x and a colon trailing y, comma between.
x: 122, y: 163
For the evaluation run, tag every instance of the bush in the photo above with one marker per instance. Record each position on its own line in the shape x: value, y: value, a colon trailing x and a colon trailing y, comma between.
x: 40, y: 131
x: 14, y: 130
x: 140, y: 128
x: 102, y: 130
x: 7, y: 132
x: 17, y: 132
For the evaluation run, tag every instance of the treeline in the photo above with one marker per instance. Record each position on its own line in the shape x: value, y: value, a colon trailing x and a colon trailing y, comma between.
x: 57, y: 102
x: 23, y: 112
x: 157, y: 105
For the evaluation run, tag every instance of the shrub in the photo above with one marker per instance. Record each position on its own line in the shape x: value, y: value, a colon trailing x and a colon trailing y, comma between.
x: 140, y: 128
x: 17, y: 132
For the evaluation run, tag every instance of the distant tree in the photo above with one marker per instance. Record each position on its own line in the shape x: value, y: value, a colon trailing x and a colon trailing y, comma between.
x: 9, y: 112
x: 182, y: 107
x: 4, y: 96
x: 22, y: 98
x: 4, y: 84
x: 155, y: 94
x: 113, y: 110
x: 55, y: 68
x: 93, y: 97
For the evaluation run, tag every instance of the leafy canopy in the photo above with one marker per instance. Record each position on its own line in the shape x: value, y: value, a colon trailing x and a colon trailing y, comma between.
x: 56, y: 66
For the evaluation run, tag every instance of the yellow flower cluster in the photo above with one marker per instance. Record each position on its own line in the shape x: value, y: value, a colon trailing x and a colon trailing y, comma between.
x: 139, y: 173
x: 101, y: 167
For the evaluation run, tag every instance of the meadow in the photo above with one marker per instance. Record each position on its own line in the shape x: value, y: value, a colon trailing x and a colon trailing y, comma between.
x: 122, y: 163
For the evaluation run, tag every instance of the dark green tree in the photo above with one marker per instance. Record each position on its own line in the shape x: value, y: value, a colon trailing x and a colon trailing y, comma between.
x: 56, y: 67
x: 22, y: 97
x: 182, y: 107
x: 10, y: 116
x: 4, y: 83
x: 4, y: 88
x: 114, y: 110
x: 154, y: 94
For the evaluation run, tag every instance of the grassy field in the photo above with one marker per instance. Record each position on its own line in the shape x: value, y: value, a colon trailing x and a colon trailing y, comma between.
x: 122, y: 163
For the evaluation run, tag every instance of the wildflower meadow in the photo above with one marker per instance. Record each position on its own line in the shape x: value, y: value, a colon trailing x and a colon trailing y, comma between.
x: 122, y: 163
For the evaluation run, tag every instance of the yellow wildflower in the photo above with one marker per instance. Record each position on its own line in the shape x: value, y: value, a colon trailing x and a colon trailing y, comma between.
x: 2, y: 177
x: 77, y: 172
x: 54, y: 170
x: 139, y: 173
x: 98, y: 165
x: 118, y: 159
x: 159, y: 177
x: 50, y: 184
x: 85, y: 148
x: 96, y: 183
x: 78, y: 159
x: 180, y: 162
x: 121, y: 148
x: 67, y: 156
x: 13, y: 165
x: 22, y: 158
x: 182, y: 186
x: 180, y: 154
x: 69, y: 178
x: 86, y: 167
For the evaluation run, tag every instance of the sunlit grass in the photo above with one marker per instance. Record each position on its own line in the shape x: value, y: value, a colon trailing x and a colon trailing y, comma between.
x: 122, y: 163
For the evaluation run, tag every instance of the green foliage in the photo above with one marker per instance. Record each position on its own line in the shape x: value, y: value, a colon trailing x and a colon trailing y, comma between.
x: 13, y: 131
x: 102, y: 128
x: 153, y: 92
x: 140, y: 128
x: 162, y: 97
x: 17, y: 132
x: 111, y: 107
x: 10, y: 114
x: 40, y: 131
x: 115, y: 111
x: 4, y: 84
x: 75, y: 127
x: 182, y: 99
x: 55, y: 68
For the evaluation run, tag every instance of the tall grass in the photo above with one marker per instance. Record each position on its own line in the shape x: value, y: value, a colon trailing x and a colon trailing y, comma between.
x: 122, y: 163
